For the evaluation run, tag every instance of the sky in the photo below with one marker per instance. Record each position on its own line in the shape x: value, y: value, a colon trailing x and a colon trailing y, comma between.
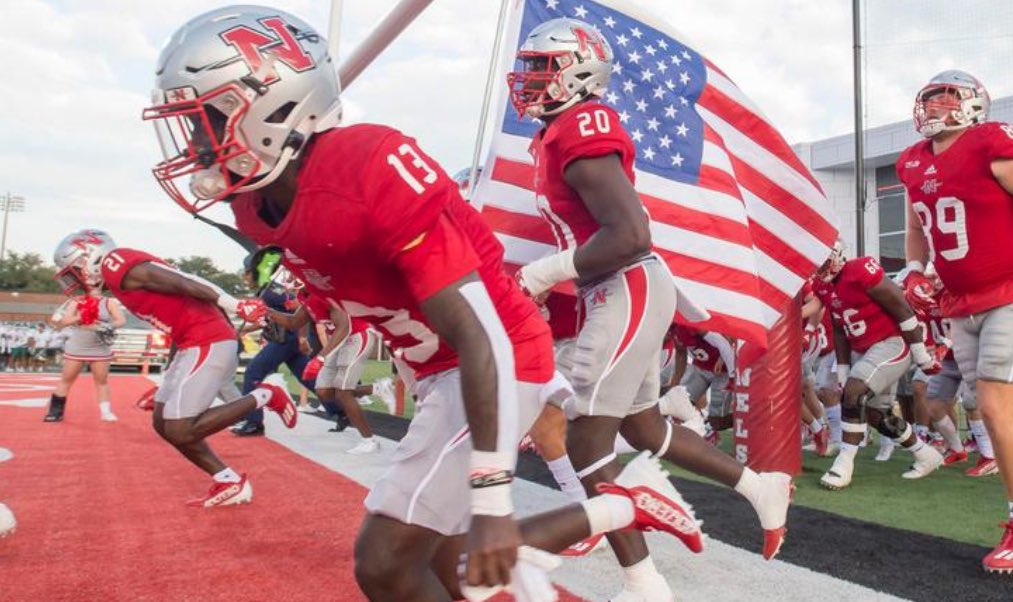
x: 79, y: 72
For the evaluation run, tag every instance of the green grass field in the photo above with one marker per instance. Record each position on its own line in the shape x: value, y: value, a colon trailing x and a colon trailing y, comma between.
x: 946, y: 503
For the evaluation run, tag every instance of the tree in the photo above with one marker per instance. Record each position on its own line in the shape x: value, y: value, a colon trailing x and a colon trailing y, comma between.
x: 230, y: 282
x: 27, y: 272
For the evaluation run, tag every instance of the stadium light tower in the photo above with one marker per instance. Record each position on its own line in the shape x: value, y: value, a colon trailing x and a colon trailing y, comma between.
x: 9, y: 203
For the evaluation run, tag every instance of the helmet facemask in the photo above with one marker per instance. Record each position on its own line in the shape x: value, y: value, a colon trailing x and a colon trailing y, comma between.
x: 72, y: 281
x: 946, y: 104
x: 539, y: 90
x: 833, y: 265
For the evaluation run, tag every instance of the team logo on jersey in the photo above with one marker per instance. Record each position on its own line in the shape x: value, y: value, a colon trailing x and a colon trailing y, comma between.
x: 931, y: 186
x: 280, y: 43
x: 599, y: 296
x: 931, y: 170
x: 912, y: 164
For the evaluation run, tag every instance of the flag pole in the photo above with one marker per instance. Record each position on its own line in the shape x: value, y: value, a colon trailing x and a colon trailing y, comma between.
x: 487, y: 100
x: 860, y: 192
x: 334, y: 30
x: 390, y: 28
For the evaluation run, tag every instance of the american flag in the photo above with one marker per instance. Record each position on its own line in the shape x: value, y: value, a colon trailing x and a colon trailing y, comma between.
x: 736, y: 215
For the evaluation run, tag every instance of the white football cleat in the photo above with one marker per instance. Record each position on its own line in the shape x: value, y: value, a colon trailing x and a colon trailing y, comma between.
x: 772, y: 509
x: 927, y: 460
x: 8, y: 524
x: 109, y: 417
x: 366, y: 446
x: 839, y: 475
x: 886, y: 447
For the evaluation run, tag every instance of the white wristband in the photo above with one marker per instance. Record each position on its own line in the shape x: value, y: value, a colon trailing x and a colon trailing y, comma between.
x: 842, y: 373
x: 916, y: 266
x: 909, y: 324
x: 490, y: 477
x: 228, y: 303
x: 542, y: 274
x: 810, y: 328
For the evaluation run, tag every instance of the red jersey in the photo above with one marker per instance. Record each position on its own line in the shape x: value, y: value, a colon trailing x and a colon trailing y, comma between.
x: 189, y: 322
x: 966, y: 215
x: 589, y: 130
x: 704, y: 355
x: 863, y: 321
x: 378, y: 227
x: 319, y: 310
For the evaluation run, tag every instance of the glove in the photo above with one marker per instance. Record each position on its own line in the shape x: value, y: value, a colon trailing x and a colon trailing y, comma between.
x: 147, y: 400
x: 87, y: 309
x: 251, y: 310
x: 925, y: 360
x: 312, y: 368
x: 918, y: 291
x: 529, y: 579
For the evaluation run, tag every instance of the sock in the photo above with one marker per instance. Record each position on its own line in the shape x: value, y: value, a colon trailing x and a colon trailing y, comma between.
x: 676, y: 403
x: 566, y: 477
x: 922, y: 431
x: 227, y: 475
x: 849, y: 449
x: 57, y: 399
x: 948, y: 430
x: 981, y: 436
x: 261, y: 396
x: 917, y: 446
x: 608, y: 512
x: 104, y: 407
x: 1011, y: 511
x: 749, y: 485
x: 834, y: 419
x: 815, y: 426
x: 641, y: 575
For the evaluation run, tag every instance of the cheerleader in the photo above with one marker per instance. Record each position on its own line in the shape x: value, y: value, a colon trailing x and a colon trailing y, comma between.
x: 92, y: 320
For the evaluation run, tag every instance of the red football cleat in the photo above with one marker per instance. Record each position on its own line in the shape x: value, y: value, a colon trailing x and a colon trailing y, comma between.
x: 281, y: 402
x: 657, y: 505
x: 822, y: 442
x: 954, y: 457
x: 225, y: 494
x: 1000, y: 560
x: 984, y: 467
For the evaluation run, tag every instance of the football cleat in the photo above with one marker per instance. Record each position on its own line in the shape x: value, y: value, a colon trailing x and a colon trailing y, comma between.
x: 366, y: 446
x: 927, y: 460
x: 225, y: 494
x: 1000, y: 560
x: 108, y: 417
x: 657, y: 505
x: 281, y: 402
x: 984, y: 467
x: 772, y: 508
x: 840, y: 473
x: 954, y: 457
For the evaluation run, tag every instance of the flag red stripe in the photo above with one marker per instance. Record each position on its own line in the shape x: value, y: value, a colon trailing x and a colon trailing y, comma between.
x: 725, y: 277
x: 516, y: 173
x: 732, y: 326
x: 698, y: 221
x: 781, y: 251
x: 783, y: 201
x: 754, y: 127
x: 520, y: 225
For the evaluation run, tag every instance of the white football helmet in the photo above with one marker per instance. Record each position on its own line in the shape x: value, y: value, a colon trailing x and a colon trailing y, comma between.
x: 78, y: 260
x: 834, y: 263
x: 962, y: 97
x: 563, y: 62
x: 238, y: 92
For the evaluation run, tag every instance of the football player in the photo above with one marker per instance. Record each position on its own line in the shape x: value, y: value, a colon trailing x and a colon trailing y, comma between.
x: 372, y: 223
x: 584, y: 189
x: 192, y: 311
x: 876, y: 336
x: 959, y: 184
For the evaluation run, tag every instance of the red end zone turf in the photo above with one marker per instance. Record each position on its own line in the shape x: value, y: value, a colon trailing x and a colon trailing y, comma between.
x: 102, y: 516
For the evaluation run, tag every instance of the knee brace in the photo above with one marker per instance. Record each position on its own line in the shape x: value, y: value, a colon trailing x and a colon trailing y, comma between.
x: 664, y: 444
x: 852, y: 413
x: 894, y: 427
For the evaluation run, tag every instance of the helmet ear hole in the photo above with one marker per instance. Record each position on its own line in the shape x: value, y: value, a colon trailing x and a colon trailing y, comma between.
x: 281, y: 113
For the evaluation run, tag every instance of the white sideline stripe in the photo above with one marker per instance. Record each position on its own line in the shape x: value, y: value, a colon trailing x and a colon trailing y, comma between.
x: 722, y: 572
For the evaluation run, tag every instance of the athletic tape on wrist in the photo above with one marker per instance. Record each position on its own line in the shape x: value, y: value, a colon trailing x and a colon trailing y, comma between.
x: 909, y: 324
